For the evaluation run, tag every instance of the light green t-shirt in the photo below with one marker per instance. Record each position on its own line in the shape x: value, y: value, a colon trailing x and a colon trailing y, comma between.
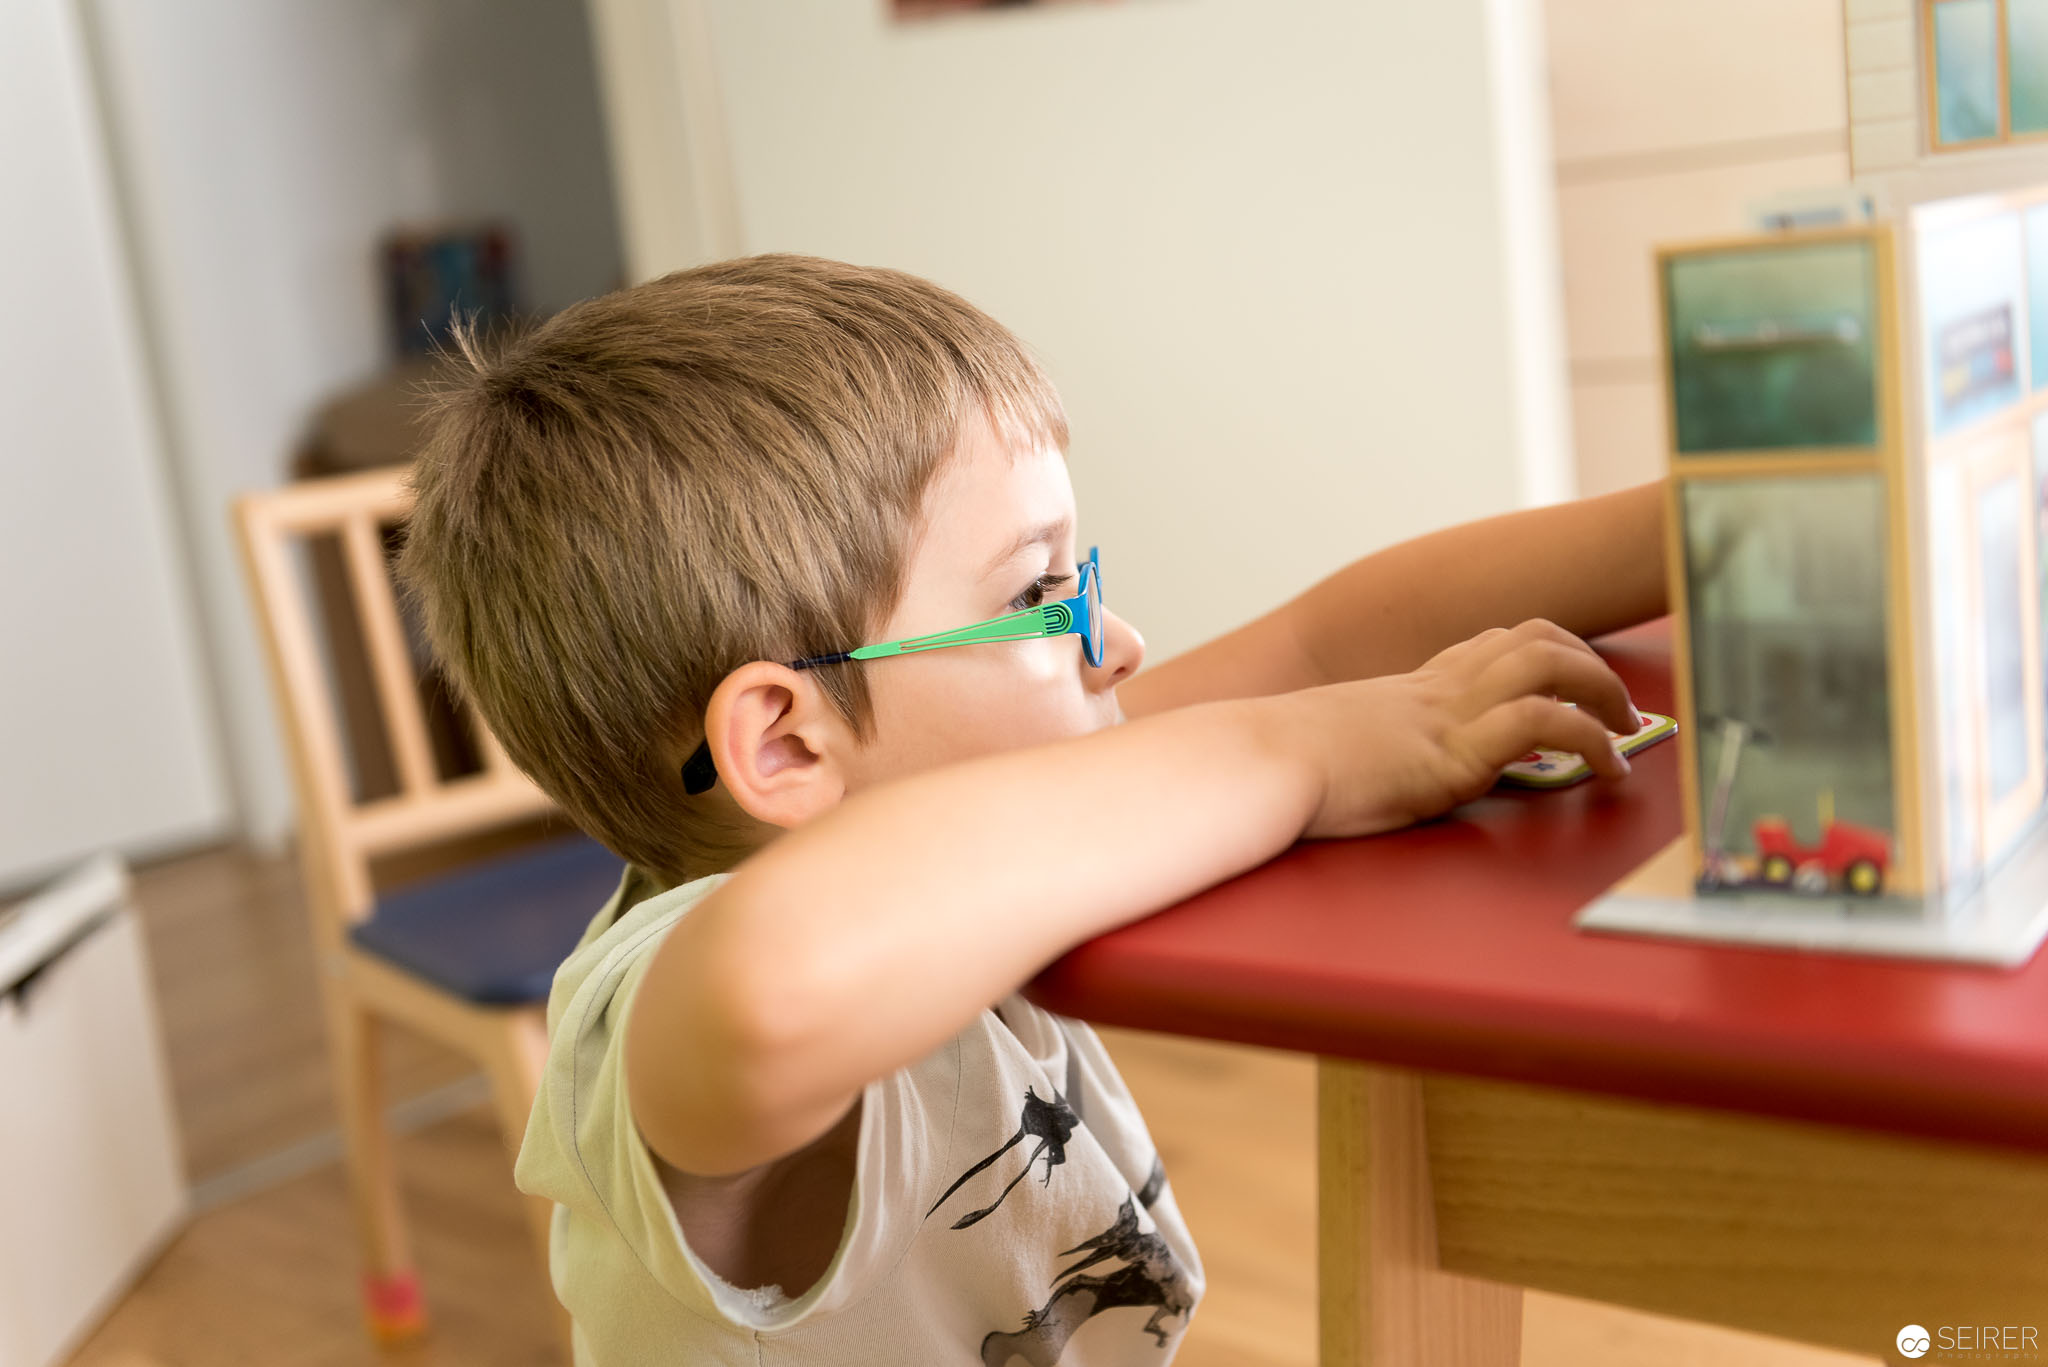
x: 1008, y: 1204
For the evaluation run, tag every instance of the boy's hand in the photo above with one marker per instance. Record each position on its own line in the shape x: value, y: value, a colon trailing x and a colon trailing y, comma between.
x: 1406, y: 747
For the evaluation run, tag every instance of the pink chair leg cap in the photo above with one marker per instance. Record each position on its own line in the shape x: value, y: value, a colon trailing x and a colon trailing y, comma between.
x: 394, y: 1308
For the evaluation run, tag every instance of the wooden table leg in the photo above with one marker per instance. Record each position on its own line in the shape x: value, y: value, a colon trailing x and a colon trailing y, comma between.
x: 1382, y: 1299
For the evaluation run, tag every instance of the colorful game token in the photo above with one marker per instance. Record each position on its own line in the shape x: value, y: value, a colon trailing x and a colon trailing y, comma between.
x: 1562, y: 768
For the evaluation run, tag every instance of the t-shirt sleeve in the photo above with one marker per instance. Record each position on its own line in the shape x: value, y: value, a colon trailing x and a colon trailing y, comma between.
x: 583, y: 1151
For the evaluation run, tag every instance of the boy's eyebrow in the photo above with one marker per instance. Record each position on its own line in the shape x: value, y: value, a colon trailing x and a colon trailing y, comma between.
x: 1046, y: 534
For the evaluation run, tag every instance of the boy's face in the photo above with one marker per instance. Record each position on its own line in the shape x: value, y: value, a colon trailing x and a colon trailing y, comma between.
x: 997, y: 531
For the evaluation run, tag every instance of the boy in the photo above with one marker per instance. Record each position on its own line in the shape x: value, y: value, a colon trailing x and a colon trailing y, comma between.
x: 767, y: 572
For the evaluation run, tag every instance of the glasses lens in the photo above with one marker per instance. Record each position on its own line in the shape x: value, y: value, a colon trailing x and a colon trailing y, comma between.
x: 1094, y: 609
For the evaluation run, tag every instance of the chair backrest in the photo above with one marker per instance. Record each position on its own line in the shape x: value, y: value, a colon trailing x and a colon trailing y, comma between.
x: 340, y: 832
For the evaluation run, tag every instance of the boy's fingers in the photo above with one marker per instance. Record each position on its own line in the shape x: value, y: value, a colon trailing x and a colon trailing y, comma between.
x: 1554, y: 669
x: 1490, y: 645
x: 1468, y: 655
x: 1503, y: 734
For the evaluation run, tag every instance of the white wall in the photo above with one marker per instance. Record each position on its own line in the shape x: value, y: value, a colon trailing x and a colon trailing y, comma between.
x: 265, y: 147
x: 105, y: 737
x: 1289, y: 264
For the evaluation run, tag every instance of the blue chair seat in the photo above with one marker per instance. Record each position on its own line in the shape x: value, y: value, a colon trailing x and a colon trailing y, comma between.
x: 494, y: 932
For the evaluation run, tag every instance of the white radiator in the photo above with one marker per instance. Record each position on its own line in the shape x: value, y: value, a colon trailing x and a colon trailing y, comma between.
x: 91, y: 1183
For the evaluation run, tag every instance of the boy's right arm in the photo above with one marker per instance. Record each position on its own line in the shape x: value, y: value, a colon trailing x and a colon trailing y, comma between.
x: 861, y: 941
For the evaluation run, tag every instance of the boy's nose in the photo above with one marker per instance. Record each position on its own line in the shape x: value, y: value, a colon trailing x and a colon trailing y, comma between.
x: 1123, y: 650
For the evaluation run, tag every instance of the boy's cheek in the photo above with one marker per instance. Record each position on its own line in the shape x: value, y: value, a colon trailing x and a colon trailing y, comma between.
x: 995, y: 725
x: 943, y: 716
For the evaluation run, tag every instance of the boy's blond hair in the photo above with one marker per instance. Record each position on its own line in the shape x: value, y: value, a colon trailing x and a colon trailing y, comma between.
x: 659, y: 485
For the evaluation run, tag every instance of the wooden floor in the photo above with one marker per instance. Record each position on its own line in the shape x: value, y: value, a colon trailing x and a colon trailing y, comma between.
x: 268, y: 1277
x: 233, y: 967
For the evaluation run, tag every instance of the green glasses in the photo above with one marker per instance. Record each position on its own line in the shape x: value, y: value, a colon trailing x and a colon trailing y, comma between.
x: 1080, y: 616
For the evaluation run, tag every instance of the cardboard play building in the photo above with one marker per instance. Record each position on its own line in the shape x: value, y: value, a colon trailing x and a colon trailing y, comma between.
x: 1857, y: 534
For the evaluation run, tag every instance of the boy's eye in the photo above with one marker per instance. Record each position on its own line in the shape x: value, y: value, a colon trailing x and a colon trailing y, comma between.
x: 1037, y: 591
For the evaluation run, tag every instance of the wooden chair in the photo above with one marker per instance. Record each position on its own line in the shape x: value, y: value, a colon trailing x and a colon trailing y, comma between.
x: 464, y: 958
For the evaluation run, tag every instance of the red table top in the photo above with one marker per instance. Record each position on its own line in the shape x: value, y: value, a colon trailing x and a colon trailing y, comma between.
x: 1449, y: 946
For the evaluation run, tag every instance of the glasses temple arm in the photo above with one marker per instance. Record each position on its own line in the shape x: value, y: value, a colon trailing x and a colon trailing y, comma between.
x: 1048, y: 619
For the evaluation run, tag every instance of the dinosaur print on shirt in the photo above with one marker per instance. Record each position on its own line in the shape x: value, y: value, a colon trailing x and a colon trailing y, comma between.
x: 1052, y: 1123
x: 1149, y: 1275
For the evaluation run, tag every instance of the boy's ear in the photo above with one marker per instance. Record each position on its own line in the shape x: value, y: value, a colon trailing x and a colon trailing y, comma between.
x: 778, y: 743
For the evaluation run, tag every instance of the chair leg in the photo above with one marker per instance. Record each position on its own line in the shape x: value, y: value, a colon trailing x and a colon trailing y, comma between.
x: 392, y: 1305
x: 515, y: 1071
